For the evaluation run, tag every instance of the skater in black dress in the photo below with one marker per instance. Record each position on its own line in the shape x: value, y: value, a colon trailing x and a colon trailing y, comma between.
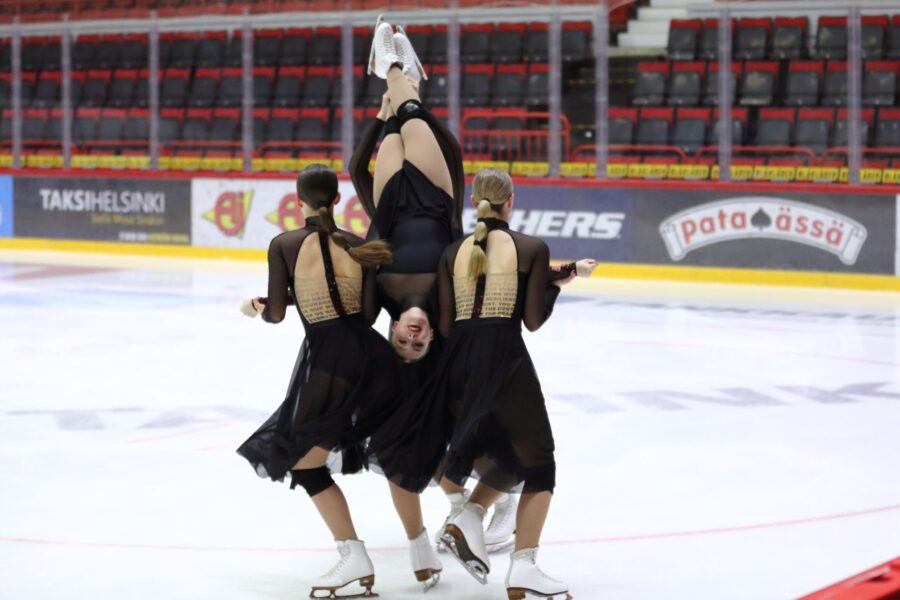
x: 414, y: 201
x: 342, y: 386
x: 486, y: 397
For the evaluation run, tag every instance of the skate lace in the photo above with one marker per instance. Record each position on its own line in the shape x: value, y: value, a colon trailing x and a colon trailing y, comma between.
x: 345, y: 555
x: 499, y: 517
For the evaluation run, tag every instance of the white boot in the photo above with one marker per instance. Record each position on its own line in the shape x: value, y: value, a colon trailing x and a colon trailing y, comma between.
x: 354, y: 566
x: 411, y: 64
x: 425, y: 562
x: 526, y: 578
x: 464, y: 536
x: 457, y: 500
x: 383, y: 53
x: 499, y: 534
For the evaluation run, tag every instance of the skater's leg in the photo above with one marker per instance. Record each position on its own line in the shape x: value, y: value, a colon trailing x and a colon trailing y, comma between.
x: 530, y: 519
x: 420, y: 146
x: 484, y: 495
x: 450, y: 487
x: 325, y: 494
x: 389, y: 159
x: 409, y: 509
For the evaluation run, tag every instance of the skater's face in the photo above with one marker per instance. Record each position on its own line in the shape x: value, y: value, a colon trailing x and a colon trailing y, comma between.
x: 411, y: 335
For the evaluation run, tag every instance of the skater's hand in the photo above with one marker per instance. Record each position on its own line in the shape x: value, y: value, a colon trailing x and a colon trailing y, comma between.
x: 585, y: 267
x: 385, y: 112
x: 413, y: 83
x: 252, y: 307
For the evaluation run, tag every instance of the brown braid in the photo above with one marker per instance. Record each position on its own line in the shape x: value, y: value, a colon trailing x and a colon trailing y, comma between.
x: 370, y: 254
x: 317, y: 186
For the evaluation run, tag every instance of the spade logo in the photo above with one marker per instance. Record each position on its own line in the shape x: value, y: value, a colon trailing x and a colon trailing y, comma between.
x: 761, y: 219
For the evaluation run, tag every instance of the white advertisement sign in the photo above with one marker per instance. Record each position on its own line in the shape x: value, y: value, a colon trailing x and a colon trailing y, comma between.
x: 763, y: 217
x: 248, y: 213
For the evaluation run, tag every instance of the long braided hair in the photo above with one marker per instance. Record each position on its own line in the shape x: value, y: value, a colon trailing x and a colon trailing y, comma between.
x: 317, y: 186
x: 493, y: 188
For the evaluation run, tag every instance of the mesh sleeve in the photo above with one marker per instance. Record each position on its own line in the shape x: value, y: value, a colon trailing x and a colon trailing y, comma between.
x: 362, y: 179
x: 279, y: 281
x: 540, y: 295
x: 446, y: 300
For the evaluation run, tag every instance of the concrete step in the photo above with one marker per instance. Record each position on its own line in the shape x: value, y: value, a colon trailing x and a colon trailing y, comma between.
x: 649, y: 27
x: 650, y: 13
x: 671, y: 3
x: 632, y: 40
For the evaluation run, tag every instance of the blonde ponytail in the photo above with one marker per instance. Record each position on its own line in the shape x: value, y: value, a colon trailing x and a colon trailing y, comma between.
x: 478, y: 258
x: 370, y: 254
x: 492, y: 187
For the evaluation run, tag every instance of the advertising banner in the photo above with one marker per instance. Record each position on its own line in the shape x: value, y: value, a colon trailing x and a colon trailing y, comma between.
x: 6, y: 206
x: 786, y: 231
x: 151, y: 211
x: 248, y: 213
x: 576, y: 222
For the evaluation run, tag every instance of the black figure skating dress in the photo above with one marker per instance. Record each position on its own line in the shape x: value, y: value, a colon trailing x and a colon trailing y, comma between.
x: 418, y: 218
x: 342, y: 385
x: 484, y: 408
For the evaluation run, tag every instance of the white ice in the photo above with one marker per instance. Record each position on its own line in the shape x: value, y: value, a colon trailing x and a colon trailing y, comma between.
x: 714, y: 442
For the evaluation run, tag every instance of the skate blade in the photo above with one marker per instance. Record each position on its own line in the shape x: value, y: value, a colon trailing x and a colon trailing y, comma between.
x: 501, y: 546
x: 366, y: 582
x: 428, y: 578
x: 523, y: 593
x: 460, y: 551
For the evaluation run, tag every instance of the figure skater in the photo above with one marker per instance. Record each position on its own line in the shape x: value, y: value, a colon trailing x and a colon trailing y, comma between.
x: 486, y: 398
x: 415, y: 197
x: 342, y: 385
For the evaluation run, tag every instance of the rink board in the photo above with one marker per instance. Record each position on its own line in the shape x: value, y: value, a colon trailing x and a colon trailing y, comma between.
x: 844, y: 236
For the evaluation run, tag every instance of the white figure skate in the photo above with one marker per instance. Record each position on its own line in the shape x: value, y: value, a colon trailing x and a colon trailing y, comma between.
x: 354, y: 567
x: 383, y: 53
x: 425, y: 563
x: 456, y: 503
x: 464, y: 537
x: 526, y: 579
x: 404, y: 48
x: 499, y: 535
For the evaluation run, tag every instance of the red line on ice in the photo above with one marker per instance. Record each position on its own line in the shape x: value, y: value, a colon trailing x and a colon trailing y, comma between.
x: 598, y: 540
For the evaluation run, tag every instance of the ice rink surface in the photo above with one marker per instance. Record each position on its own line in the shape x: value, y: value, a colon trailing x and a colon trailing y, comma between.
x: 713, y: 442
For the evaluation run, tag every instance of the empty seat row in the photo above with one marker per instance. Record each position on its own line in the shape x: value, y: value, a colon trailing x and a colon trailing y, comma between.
x: 479, y: 43
x: 764, y: 83
x: 291, y: 47
x: 503, y: 85
x: 691, y: 129
x: 784, y: 38
x: 108, y: 130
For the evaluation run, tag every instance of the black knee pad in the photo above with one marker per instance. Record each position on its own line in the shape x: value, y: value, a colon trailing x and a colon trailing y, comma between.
x: 313, y: 481
x: 411, y: 109
x: 392, y: 125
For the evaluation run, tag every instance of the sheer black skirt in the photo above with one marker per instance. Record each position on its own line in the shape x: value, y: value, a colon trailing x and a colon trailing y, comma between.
x: 482, y: 415
x: 341, y: 391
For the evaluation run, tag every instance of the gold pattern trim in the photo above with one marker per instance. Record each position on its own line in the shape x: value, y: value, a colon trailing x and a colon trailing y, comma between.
x: 315, y: 301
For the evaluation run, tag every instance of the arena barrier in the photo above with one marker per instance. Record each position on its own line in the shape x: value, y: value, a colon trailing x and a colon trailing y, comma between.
x: 789, y: 234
